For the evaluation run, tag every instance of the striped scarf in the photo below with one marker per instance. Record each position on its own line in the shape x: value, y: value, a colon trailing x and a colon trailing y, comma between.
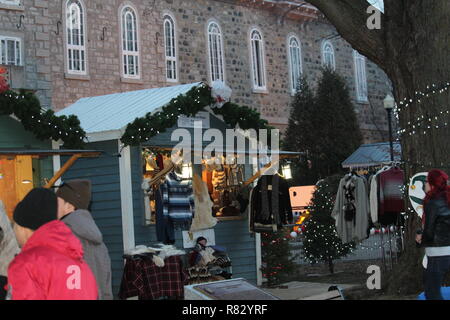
x: 178, y: 201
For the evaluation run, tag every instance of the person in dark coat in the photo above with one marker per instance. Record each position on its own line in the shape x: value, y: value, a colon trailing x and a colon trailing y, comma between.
x: 435, y: 235
x: 74, y: 198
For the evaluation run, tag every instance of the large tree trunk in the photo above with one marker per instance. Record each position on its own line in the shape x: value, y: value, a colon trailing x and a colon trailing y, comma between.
x: 423, y: 61
x: 412, y: 47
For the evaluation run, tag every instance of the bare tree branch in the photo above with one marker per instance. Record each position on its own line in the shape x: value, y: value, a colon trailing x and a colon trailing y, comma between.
x: 350, y: 19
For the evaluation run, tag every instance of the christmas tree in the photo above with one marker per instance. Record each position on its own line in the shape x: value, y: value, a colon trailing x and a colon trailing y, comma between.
x: 320, y: 240
x: 300, y: 131
x: 277, y: 259
x: 324, y: 126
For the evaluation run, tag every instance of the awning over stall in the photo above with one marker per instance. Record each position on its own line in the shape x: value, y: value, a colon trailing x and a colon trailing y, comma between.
x: 113, y: 112
x: 374, y: 154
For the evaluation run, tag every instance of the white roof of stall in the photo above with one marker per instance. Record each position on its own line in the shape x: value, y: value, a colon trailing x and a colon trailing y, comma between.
x: 114, y: 112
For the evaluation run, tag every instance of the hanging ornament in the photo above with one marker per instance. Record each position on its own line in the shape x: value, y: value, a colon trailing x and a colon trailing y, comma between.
x: 221, y: 93
x: 294, y: 234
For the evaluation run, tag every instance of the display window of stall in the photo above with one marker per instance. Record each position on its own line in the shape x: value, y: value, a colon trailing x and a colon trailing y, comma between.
x: 224, y: 181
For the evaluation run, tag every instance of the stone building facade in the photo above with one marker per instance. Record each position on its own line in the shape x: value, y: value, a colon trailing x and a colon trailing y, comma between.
x: 45, y: 66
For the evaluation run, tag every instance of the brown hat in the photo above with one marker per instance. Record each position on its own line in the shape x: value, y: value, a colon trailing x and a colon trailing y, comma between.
x: 76, y: 192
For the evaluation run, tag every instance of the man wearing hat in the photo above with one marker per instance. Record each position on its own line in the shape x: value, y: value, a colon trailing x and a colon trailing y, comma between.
x: 50, y: 265
x: 74, y: 198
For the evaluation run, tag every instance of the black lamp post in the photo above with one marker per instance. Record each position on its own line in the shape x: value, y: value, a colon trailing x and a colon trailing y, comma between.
x: 389, y: 105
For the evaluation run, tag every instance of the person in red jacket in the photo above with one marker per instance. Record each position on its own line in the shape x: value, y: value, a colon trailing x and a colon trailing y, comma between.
x: 50, y: 265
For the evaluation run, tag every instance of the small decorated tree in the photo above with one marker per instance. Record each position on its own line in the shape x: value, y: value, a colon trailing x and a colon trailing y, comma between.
x: 321, y: 242
x: 277, y: 258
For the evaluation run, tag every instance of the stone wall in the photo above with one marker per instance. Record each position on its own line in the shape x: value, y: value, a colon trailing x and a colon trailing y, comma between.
x: 45, y: 59
x: 34, y: 30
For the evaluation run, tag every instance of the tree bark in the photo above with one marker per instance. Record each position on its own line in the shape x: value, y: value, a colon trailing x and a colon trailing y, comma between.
x: 412, y: 47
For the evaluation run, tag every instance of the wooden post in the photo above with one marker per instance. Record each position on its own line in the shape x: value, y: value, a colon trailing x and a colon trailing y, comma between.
x: 63, y: 169
x: 259, y: 173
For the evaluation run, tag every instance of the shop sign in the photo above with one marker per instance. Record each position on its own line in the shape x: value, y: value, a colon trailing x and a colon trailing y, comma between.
x: 416, y: 191
x: 201, y: 118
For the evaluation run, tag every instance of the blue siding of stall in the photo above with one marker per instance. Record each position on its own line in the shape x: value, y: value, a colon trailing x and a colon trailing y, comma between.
x: 106, y: 205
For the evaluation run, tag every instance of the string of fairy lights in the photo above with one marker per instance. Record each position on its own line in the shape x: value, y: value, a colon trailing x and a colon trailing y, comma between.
x: 424, y: 122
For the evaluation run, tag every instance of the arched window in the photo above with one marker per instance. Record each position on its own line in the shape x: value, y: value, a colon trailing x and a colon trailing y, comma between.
x: 171, y: 51
x: 257, y: 55
x: 75, y: 37
x: 360, y: 76
x: 130, y: 46
x: 295, y: 62
x: 328, y: 55
x: 215, y: 49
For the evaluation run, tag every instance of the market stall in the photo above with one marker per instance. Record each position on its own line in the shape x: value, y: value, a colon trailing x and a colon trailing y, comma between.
x: 134, y: 183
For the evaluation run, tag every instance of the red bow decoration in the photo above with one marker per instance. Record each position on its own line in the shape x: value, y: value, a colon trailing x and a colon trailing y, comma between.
x: 3, y: 83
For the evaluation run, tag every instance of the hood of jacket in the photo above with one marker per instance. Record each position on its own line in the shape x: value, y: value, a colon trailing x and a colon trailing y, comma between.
x: 57, y: 236
x: 83, y: 226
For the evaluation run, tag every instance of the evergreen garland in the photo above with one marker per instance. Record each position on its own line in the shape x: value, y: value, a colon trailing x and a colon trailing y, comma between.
x: 189, y: 104
x: 43, y: 124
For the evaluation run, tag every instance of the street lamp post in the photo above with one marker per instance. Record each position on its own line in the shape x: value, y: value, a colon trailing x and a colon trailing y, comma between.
x: 389, y: 105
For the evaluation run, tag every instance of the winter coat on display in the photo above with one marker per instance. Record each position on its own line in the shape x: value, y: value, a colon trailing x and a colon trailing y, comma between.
x: 95, y: 251
x: 203, y: 218
x: 8, y: 243
x: 271, y: 204
x: 352, y: 212
x: 391, y: 196
x: 51, y: 267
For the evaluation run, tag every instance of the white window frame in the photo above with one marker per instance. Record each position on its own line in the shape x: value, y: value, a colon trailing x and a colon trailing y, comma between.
x: 360, y: 77
x: 293, y: 66
x: 216, y: 54
x: 172, y: 56
x: 125, y: 52
x: 255, y: 66
x: 10, y: 2
x: 70, y: 47
x: 4, y: 51
x: 326, y: 52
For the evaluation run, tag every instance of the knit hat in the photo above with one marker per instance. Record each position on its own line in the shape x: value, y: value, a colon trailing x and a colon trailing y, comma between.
x: 37, y: 208
x: 76, y: 192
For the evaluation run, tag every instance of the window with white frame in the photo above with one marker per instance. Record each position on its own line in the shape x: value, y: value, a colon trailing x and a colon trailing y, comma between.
x: 130, y: 47
x: 10, y: 2
x: 257, y: 56
x: 215, y: 49
x: 328, y: 55
x: 360, y: 76
x: 295, y: 62
x: 170, y: 46
x: 10, y: 51
x: 76, y: 39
